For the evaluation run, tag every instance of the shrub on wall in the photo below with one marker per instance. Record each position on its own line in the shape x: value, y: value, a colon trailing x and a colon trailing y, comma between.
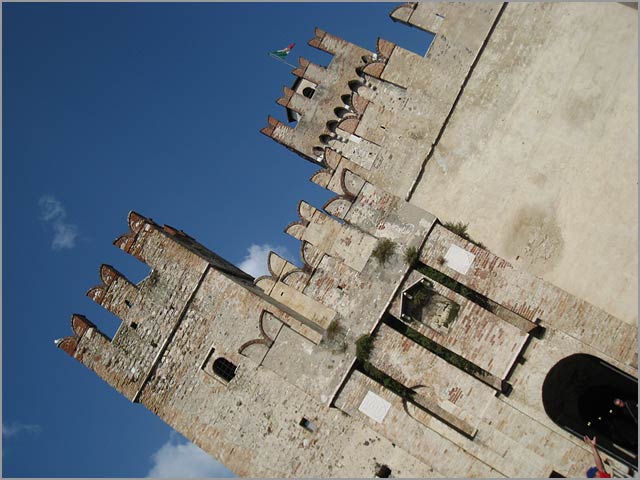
x: 460, y: 229
x: 411, y: 256
x: 384, y: 250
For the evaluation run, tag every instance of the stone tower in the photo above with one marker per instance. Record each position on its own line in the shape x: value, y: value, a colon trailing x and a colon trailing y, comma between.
x: 399, y: 347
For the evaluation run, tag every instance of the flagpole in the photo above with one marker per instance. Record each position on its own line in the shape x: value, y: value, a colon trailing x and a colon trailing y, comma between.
x: 281, y: 60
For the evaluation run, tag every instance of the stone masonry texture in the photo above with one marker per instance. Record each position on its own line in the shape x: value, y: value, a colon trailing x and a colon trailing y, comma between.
x: 263, y: 373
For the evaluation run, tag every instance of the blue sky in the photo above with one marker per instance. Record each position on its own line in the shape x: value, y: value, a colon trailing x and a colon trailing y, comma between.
x: 151, y: 107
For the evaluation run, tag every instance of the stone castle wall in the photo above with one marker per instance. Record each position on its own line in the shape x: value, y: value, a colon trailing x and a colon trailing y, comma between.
x: 300, y: 402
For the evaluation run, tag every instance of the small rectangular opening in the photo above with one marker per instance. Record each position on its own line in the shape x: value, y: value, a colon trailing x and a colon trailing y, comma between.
x: 308, y: 425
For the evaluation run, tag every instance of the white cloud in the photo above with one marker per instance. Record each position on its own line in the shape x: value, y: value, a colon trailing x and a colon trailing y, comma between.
x: 51, y: 209
x: 64, y: 236
x: 15, y: 428
x: 255, y: 263
x: 185, y: 460
x: 54, y: 213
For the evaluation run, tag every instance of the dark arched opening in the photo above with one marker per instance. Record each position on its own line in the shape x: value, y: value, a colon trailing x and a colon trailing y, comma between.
x: 383, y: 471
x: 325, y: 139
x: 308, y: 92
x: 578, y: 394
x: 341, y: 112
x: 355, y: 84
x: 224, y: 369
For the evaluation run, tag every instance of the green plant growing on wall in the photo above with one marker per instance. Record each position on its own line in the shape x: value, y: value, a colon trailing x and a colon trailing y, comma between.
x: 384, y: 250
x: 453, y: 313
x: 411, y: 256
x: 460, y: 229
x: 422, y: 295
x: 364, y: 345
x: 456, y: 286
x: 333, y: 329
x: 334, y: 338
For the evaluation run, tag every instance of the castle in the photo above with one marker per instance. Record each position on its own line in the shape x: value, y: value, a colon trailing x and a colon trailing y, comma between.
x: 402, y: 347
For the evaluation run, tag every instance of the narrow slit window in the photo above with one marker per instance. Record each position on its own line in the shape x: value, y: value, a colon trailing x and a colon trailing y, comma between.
x: 308, y: 425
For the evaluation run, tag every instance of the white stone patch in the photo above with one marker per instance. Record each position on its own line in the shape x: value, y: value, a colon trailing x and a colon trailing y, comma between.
x: 459, y: 259
x: 374, y: 406
x: 355, y: 138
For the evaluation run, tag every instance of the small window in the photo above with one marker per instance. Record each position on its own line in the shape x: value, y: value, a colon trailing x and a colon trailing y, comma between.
x: 308, y: 92
x: 308, y: 425
x: 224, y: 369
x: 134, y: 325
x: 383, y: 471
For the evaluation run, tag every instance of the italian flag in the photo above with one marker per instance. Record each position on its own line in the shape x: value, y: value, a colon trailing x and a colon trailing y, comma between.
x: 284, y: 52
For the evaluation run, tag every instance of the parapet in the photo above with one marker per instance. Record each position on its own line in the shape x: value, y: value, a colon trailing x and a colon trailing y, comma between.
x: 109, y: 361
x: 315, y: 100
x: 151, y: 310
x: 116, y: 293
x: 79, y: 325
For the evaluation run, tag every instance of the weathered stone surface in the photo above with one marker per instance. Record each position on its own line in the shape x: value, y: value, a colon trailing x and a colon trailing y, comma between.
x: 263, y: 374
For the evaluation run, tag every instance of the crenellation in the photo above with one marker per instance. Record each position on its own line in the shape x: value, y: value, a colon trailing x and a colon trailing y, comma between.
x: 120, y: 362
x: 310, y: 71
x: 338, y: 207
x: 279, y: 267
x: 116, y: 293
x: 310, y: 255
x: 384, y: 48
x: 403, y: 13
x: 322, y: 178
x: 294, y: 101
x: 271, y: 375
x: 351, y: 183
x: 348, y: 126
x: 295, y: 229
x: 297, y: 279
x: 330, y: 43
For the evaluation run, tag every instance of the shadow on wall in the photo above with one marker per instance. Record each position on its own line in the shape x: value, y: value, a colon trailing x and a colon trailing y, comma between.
x: 579, y: 394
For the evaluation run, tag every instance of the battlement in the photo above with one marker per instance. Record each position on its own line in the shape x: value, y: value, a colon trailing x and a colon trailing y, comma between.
x: 425, y: 16
x: 360, y: 95
x: 268, y: 375
x: 151, y: 310
x: 310, y: 71
x: 329, y: 43
x: 79, y: 325
x: 318, y: 98
x: 118, y: 362
x: 116, y: 293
